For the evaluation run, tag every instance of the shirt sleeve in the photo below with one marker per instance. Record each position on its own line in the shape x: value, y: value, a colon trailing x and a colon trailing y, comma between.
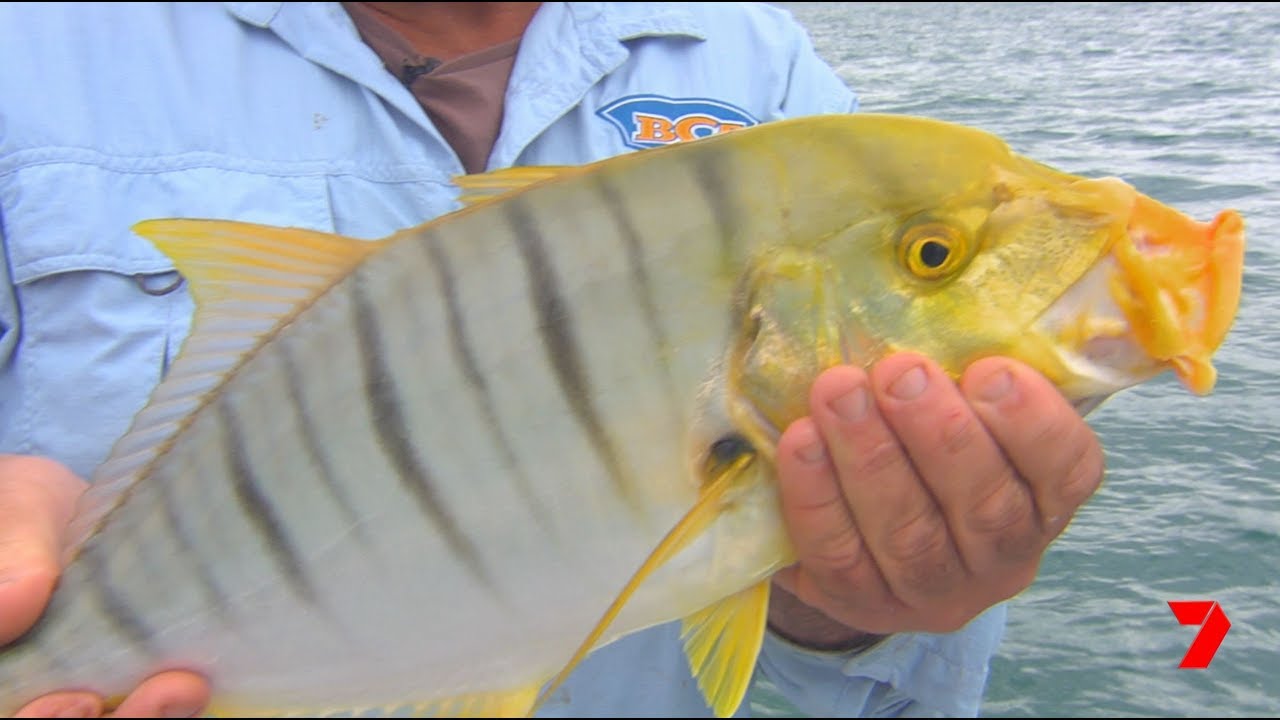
x: 813, y: 87
x: 905, y: 675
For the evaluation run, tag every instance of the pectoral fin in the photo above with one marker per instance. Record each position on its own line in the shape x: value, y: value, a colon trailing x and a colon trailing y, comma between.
x: 722, y: 643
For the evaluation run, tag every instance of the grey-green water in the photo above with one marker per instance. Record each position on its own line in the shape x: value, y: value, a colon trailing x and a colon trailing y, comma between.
x: 1183, y: 101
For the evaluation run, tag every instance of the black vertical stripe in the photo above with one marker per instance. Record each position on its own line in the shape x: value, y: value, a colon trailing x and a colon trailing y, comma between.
x: 215, y: 597
x: 393, y: 431
x: 555, y: 327
x: 643, y: 285
x: 257, y: 507
x: 465, y: 358
x: 312, y: 445
x: 706, y: 167
x: 115, y: 607
x: 636, y: 267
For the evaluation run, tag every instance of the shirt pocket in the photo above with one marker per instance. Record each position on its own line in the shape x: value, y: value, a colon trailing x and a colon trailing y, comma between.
x: 101, y: 313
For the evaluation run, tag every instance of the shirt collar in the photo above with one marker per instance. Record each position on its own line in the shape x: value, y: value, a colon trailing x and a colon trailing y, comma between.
x: 622, y: 21
x: 255, y: 13
x: 628, y: 21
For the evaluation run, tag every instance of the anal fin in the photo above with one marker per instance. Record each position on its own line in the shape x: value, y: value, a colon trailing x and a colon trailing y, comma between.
x: 723, y: 642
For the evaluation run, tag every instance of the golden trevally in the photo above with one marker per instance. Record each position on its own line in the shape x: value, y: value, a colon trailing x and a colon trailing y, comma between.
x: 423, y: 469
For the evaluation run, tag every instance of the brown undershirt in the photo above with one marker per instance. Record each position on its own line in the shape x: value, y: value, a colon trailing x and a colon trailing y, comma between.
x: 463, y: 96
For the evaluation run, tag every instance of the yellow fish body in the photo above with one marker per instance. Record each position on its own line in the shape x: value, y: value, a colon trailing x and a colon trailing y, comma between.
x: 432, y: 469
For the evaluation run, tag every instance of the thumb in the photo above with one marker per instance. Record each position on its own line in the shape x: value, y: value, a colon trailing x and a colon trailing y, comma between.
x: 37, y: 499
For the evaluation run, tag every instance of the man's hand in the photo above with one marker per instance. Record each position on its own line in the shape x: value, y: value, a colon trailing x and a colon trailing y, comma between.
x: 915, y: 504
x: 37, y: 499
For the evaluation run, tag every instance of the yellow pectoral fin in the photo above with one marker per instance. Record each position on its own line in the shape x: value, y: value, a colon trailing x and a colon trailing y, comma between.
x: 482, y: 187
x: 690, y: 527
x: 723, y: 642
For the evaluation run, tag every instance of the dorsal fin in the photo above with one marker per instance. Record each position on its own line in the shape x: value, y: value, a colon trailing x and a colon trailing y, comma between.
x: 247, y: 280
x: 482, y: 187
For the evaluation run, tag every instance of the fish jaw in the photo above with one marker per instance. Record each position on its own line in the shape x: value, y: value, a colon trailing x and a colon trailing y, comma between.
x: 1162, y: 297
x: 1179, y: 286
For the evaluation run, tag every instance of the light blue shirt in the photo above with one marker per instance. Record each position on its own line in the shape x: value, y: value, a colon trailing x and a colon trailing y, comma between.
x: 279, y: 113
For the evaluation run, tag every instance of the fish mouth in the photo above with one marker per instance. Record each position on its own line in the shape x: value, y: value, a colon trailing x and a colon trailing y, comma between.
x: 1162, y: 297
x: 1179, y: 286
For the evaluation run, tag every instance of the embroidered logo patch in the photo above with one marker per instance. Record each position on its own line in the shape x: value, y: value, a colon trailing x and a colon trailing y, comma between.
x: 647, y: 121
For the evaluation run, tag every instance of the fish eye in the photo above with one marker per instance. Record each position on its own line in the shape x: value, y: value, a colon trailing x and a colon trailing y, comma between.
x: 931, y: 250
x: 933, y: 253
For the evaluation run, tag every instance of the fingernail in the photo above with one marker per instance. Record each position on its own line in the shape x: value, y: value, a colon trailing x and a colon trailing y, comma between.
x: 851, y: 406
x: 995, y: 386
x: 812, y: 454
x: 910, y: 384
x: 809, y: 447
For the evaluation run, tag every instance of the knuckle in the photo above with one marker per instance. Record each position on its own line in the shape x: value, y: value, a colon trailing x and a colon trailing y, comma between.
x: 840, y: 550
x: 917, y: 540
x: 829, y: 501
x: 884, y: 457
x: 1050, y: 429
x: 919, y: 555
x: 1084, y: 474
x: 1006, y: 511
x: 960, y: 433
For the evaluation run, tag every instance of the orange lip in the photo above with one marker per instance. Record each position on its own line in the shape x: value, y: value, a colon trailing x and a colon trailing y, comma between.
x: 1179, y: 286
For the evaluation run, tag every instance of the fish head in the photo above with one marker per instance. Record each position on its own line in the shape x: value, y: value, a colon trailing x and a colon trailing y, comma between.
x: 955, y: 247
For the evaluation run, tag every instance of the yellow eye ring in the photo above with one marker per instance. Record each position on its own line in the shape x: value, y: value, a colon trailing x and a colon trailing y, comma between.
x: 931, y: 250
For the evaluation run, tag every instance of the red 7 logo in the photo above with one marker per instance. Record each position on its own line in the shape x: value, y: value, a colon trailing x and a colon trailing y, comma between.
x: 1214, y: 626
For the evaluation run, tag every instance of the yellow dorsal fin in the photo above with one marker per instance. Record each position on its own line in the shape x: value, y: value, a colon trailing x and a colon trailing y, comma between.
x: 512, y: 703
x: 247, y: 280
x: 722, y: 643
x: 242, y: 261
x: 690, y: 527
x: 482, y: 187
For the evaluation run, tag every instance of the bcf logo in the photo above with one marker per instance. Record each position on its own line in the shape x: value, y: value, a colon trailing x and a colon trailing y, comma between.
x: 647, y: 121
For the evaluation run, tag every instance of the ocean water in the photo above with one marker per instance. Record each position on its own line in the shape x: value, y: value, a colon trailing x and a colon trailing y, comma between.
x: 1183, y: 101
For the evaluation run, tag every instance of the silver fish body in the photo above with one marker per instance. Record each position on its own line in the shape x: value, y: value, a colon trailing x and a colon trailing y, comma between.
x: 437, y: 468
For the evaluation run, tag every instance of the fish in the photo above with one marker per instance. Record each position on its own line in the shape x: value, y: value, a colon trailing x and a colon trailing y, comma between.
x: 438, y: 469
